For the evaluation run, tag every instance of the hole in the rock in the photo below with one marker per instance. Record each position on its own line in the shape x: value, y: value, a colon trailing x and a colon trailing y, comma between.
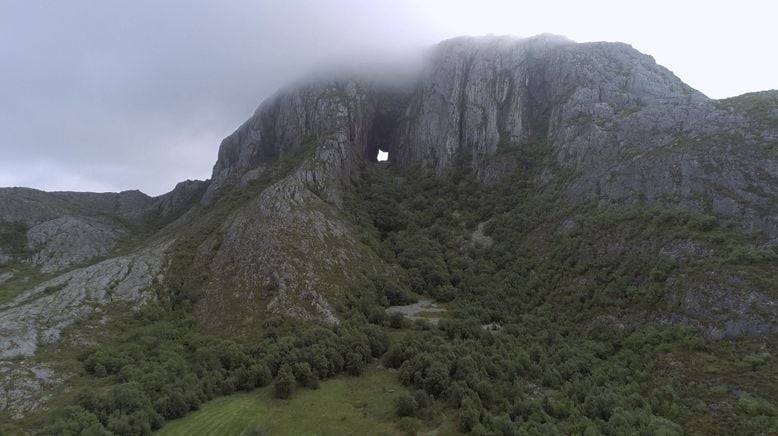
x: 378, y: 144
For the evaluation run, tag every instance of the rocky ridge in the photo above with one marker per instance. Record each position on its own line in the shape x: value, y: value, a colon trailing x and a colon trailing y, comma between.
x: 620, y: 129
x: 629, y: 129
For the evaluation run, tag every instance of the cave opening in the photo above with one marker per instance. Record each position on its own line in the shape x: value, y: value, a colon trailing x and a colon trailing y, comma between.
x: 381, y: 137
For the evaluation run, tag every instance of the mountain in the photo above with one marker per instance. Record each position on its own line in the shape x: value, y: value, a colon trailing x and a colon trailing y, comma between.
x: 581, y: 183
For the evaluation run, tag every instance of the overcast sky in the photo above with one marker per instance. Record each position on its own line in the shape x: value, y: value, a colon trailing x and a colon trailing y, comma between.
x: 108, y: 95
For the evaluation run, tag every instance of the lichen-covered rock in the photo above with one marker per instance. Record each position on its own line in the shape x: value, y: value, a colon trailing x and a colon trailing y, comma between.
x: 5, y: 258
x: 604, y: 122
x: 38, y: 315
x: 25, y: 386
x: 286, y: 252
x: 627, y: 129
x: 70, y: 240
x: 4, y: 277
x: 32, y: 206
x: 722, y: 306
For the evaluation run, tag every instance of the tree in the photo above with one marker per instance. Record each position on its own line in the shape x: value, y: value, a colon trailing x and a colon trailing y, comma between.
x: 406, y: 405
x: 261, y: 374
x: 284, y: 384
x: 397, y: 320
x: 355, y: 364
x: 468, y: 418
x: 304, y: 376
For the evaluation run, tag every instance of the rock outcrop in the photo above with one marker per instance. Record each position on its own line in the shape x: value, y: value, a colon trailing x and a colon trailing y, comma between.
x: 70, y: 240
x: 25, y: 386
x: 619, y: 129
x: 39, y: 315
x: 32, y: 206
x: 629, y: 129
x: 274, y: 235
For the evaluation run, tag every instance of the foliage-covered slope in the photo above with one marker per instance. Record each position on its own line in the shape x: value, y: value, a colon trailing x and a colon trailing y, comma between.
x: 602, y: 236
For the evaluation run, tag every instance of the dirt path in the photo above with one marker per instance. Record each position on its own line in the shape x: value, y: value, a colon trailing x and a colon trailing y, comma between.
x: 424, y: 309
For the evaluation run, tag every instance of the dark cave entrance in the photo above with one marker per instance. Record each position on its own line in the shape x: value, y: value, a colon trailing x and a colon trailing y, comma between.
x: 380, y: 140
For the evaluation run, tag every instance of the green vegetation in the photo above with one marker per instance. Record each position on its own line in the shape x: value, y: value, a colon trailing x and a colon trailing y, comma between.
x: 151, y: 366
x: 761, y: 106
x: 24, y: 276
x: 629, y: 111
x: 13, y: 239
x: 343, y: 405
x: 578, y: 297
x: 184, y: 278
x: 17, y: 276
x: 574, y: 290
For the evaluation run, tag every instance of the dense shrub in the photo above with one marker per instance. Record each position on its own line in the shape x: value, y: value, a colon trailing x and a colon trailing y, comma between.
x: 284, y: 384
x: 406, y: 405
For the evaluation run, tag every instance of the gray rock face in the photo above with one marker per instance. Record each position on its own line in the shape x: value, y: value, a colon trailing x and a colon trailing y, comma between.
x: 621, y: 129
x: 71, y: 240
x: 32, y: 207
x: 627, y: 128
x: 4, y: 277
x: 723, y: 307
x: 341, y: 121
x: 25, y: 386
x: 4, y: 258
x: 38, y: 315
x: 286, y: 252
x: 477, y: 94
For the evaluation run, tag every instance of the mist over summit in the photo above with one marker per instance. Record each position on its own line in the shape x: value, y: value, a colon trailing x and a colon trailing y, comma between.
x: 573, y: 211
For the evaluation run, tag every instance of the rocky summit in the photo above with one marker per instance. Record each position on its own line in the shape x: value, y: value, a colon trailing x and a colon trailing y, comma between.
x: 501, y: 151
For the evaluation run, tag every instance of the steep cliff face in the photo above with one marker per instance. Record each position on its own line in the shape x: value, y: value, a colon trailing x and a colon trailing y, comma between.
x: 271, y: 233
x: 478, y: 94
x: 346, y: 119
x: 619, y: 129
x: 628, y: 129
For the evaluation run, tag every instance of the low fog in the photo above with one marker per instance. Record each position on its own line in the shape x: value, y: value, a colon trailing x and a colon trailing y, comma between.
x: 108, y: 96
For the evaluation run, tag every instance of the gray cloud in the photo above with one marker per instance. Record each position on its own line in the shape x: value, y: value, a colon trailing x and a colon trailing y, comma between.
x: 108, y: 95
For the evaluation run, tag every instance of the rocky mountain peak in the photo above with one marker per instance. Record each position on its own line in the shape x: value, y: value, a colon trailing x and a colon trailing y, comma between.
x: 476, y: 93
x: 488, y: 100
x: 300, y: 221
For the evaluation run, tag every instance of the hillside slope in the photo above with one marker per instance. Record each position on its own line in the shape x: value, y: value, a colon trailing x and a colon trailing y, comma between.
x: 530, y: 181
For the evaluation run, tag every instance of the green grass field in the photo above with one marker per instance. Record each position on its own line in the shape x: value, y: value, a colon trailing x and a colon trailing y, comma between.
x: 341, y: 406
